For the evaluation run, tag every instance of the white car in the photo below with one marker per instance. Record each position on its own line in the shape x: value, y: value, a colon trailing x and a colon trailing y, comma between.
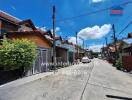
x: 85, y: 60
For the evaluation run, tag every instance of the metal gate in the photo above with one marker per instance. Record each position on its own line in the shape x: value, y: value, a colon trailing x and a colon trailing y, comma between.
x: 40, y: 63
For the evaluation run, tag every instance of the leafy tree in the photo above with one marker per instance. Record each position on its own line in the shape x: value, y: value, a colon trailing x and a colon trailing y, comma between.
x: 17, y: 54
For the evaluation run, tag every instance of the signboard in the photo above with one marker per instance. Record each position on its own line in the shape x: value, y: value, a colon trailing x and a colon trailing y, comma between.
x: 116, y: 10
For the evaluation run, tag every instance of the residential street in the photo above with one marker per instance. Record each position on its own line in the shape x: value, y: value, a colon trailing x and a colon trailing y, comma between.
x: 97, y: 80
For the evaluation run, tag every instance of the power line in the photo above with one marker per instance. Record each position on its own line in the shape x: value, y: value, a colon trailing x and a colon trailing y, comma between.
x: 86, y: 14
x: 125, y: 28
x: 118, y: 20
x: 67, y: 19
x: 74, y: 17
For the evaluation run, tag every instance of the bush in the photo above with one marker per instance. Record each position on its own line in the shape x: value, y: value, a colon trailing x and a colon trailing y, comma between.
x: 17, y: 54
x: 118, y: 63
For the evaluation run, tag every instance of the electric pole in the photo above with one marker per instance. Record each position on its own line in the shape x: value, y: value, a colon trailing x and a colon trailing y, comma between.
x: 76, y: 45
x: 106, y: 47
x: 83, y: 44
x: 76, y: 38
x: 115, y: 41
x: 54, y: 51
x: 106, y: 41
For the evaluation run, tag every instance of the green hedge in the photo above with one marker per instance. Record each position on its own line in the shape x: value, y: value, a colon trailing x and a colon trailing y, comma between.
x: 17, y: 53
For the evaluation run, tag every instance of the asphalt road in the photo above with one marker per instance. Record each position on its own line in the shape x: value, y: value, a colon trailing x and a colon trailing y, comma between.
x: 97, y: 80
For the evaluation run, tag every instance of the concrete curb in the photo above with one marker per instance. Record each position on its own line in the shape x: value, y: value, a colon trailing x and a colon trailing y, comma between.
x: 25, y: 80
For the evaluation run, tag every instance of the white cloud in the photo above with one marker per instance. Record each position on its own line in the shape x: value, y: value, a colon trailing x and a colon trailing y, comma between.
x: 97, y: 1
x: 73, y: 40
x: 96, y: 48
x: 95, y: 32
x: 57, y: 29
x: 43, y: 29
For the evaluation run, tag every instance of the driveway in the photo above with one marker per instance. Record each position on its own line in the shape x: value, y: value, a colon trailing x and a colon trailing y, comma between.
x: 97, y: 80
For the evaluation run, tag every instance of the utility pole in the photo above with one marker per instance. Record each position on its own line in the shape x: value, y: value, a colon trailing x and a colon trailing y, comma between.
x: 103, y: 53
x: 115, y: 41
x: 106, y: 46
x: 77, y: 46
x: 106, y: 41
x: 83, y: 43
x: 54, y: 51
x: 76, y: 38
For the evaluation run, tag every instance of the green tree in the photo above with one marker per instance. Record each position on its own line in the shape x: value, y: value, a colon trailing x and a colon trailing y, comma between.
x: 17, y: 54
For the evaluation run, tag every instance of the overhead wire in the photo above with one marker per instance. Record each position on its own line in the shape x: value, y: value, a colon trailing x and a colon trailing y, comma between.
x: 97, y: 11
x: 117, y: 22
x: 86, y: 14
x: 89, y: 13
x: 125, y: 28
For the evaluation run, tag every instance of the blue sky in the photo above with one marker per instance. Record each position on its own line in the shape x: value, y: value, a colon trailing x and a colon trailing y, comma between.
x: 40, y: 12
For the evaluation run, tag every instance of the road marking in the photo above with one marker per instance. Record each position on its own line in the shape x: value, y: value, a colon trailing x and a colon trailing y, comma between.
x: 87, y: 81
x: 109, y: 88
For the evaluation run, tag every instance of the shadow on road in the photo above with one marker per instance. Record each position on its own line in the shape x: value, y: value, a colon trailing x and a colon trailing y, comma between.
x: 118, y: 97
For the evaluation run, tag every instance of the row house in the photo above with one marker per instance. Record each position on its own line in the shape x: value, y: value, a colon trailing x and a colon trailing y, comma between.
x: 71, y: 50
x: 15, y: 28
x: 124, y: 50
x: 75, y: 52
x: 61, y: 51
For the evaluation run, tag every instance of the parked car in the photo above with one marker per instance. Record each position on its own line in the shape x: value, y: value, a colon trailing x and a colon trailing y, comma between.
x: 85, y: 60
x: 99, y: 56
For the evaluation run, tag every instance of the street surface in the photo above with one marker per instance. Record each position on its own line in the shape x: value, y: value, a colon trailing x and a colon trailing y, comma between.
x: 97, y: 80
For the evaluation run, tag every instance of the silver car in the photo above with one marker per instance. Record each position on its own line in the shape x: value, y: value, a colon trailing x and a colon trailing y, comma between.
x: 85, y: 60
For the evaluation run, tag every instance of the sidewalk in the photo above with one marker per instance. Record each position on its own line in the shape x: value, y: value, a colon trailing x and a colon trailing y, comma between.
x: 25, y: 80
x: 66, y: 84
